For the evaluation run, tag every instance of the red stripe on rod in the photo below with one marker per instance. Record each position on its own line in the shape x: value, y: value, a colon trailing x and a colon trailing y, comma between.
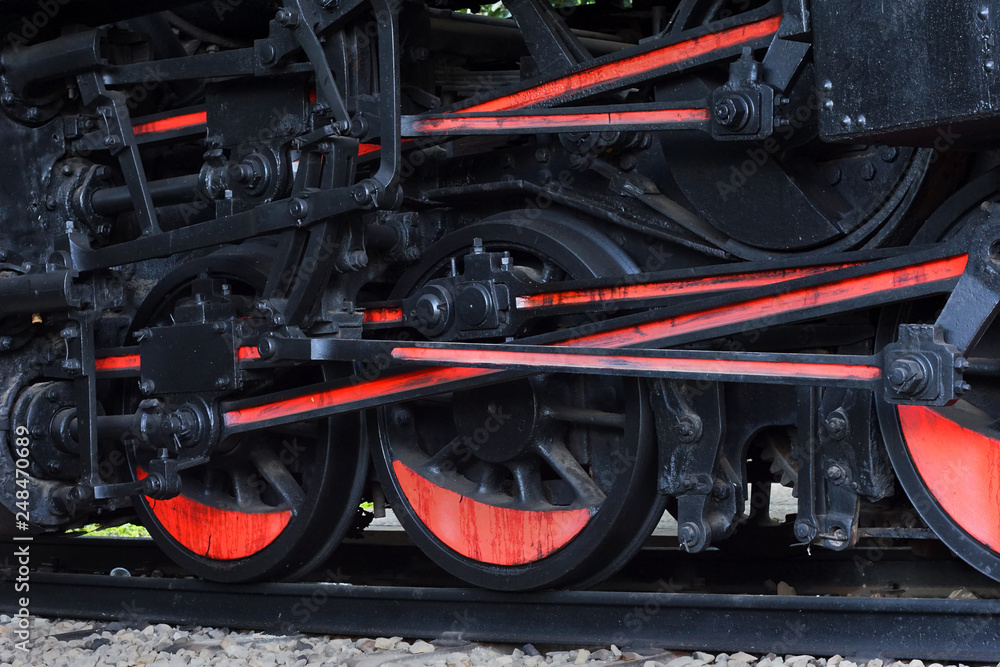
x: 671, y: 287
x: 169, y: 124
x: 458, y: 123
x: 125, y: 362
x: 338, y: 395
x: 248, y: 353
x: 628, y: 67
x: 796, y: 300
x: 384, y: 315
x: 500, y: 359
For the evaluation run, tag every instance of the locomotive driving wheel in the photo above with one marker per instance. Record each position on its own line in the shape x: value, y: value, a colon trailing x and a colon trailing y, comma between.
x: 542, y: 481
x: 947, y: 459
x: 267, y: 505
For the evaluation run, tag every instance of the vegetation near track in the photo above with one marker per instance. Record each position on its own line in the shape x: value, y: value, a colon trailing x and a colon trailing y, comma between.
x: 125, y: 530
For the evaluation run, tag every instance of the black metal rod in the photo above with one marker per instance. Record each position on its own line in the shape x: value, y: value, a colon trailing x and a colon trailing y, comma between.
x: 107, y: 425
x: 984, y: 367
x: 35, y: 293
x: 178, y: 190
x: 60, y: 57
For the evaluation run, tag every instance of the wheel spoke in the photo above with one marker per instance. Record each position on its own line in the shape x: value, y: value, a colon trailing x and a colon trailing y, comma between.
x: 449, y: 453
x: 490, y: 481
x: 278, y: 476
x: 245, y: 490
x: 558, y: 456
x: 527, y: 483
x: 586, y: 416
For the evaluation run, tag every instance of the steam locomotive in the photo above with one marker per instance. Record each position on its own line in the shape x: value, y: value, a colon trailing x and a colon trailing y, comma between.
x: 528, y: 274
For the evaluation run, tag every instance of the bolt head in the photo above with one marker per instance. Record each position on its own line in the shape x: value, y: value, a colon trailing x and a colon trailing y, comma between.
x: 299, y: 208
x: 402, y: 417
x: 836, y: 425
x: 906, y: 376
x: 688, y: 535
x: 724, y: 112
x: 804, y: 532
x: 287, y: 18
x: 688, y: 429
x: 733, y: 112
x: 888, y: 153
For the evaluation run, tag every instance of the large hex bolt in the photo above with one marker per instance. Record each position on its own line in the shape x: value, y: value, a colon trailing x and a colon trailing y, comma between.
x: 907, y: 376
x: 732, y: 112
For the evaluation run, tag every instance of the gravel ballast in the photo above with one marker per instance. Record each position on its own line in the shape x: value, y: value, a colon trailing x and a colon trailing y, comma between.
x: 80, y: 643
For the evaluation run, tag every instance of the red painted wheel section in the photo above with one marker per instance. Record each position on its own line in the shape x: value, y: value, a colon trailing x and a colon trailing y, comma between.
x: 486, y: 533
x: 217, y: 533
x: 961, y: 468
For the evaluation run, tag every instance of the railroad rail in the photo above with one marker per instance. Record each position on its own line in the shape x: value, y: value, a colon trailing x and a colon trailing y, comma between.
x: 856, y: 605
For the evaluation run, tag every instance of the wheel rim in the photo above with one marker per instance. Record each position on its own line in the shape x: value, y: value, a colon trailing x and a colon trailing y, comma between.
x: 947, y: 459
x: 531, y: 483
x: 954, y: 488
x: 272, y: 504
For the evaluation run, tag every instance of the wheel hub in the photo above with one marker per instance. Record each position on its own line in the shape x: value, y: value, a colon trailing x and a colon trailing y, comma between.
x: 498, y: 424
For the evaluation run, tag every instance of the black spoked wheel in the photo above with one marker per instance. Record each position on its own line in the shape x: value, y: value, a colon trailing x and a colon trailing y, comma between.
x: 269, y: 504
x: 948, y: 459
x: 543, y: 481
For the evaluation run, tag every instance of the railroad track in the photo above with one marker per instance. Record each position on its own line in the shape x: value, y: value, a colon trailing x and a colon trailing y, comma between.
x: 895, y: 605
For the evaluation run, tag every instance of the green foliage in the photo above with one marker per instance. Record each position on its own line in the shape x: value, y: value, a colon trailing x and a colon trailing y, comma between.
x: 496, y: 10
x: 124, y: 530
